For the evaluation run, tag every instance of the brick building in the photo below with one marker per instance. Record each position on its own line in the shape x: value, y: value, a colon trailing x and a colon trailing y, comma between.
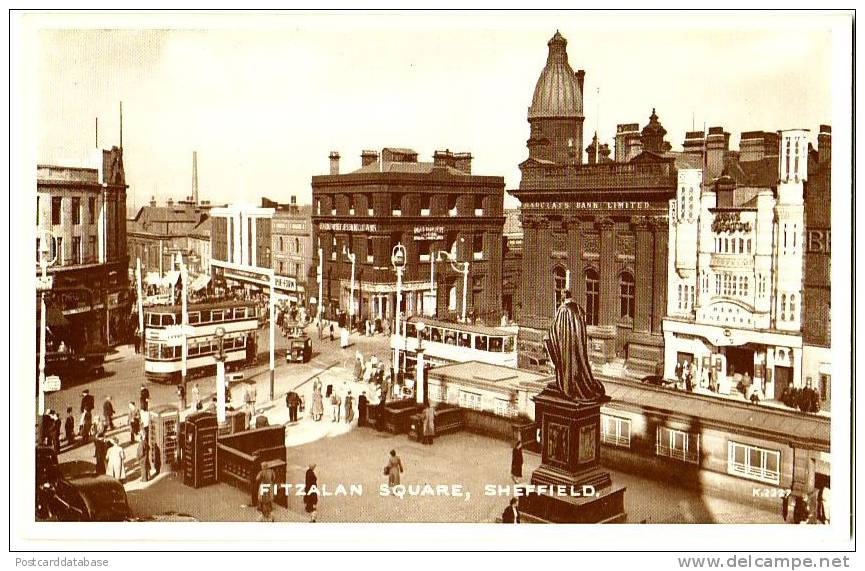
x: 596, y: 228
x: 428, y: 207
x: 817, y: 300
x: 512, y: 261
x: 85, y: 211
x: 291, y: 247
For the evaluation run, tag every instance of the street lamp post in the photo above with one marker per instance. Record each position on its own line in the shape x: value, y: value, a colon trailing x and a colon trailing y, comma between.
x: 184, y: 324
x: 44, y: 284
x: 420, y: 388
x: 272, y: 304
x: 220, y: 376
x: 353, y: 259
x: 320, y: 275
x: 397, y: 258
x: 463, y: 268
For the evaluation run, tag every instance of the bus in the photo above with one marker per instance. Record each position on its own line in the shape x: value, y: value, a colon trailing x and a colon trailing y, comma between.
x: 163, y: 338
x: 445, y: 342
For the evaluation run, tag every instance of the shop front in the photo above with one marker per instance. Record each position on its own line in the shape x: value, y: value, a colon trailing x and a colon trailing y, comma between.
x: 728, y: 360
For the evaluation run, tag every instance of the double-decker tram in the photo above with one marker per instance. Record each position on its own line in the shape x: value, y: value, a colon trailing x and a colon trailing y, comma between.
x: 164, y: 334
x: 445, y: 342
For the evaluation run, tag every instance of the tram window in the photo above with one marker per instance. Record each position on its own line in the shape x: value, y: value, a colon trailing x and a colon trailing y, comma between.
x: 496, y: 344
x: 239, y: 312
x: 410, y: 330
x: 166, y: 352
x: 194, y: 317
x: 481, y: 342
x: 152, y: 351
x: 167, y: 320
x: 193, y: 349
x: 450, y: 337
x: 465, y: 340
x: 509, y: 344
x: 435, y: 334
x: 227, y: 344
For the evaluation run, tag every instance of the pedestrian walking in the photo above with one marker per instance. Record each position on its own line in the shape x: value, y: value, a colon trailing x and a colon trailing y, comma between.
x: 69, y: 426
x: 100, y: 452
x: 264, y: 490
x: 331, y: 330
x: 336, y: 406
x: 517, y: 462
x: 143, y: 397
x: 108, y: 413
x: 196, y: 397
x: 349, y: 408
x: 134, y: 421
x: 292, y: 401
x: 136, y: 340
x: 362, y: 409
x: 87, y: 405
x: 144, y: 457
x: 317, y: 409
x: 86, y: 426
x: 310, y: 493
x: 116, y: 460
x: 429, y: 426
x: 393, y: 469
x: 512, y: 513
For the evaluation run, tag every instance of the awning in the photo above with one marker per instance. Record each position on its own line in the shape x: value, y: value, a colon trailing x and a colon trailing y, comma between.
x: 153, y: 279
x: 199, y: 282
x: 170, y: 278
x: 55, y: 318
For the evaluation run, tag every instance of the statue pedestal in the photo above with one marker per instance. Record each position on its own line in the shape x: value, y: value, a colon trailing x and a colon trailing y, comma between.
x: 570, y: 486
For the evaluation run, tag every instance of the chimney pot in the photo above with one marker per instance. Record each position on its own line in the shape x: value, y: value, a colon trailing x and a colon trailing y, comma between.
x: 334, y: 162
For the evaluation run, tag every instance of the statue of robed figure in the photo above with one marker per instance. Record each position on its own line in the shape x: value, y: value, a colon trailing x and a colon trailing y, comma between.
x: 567, y: 345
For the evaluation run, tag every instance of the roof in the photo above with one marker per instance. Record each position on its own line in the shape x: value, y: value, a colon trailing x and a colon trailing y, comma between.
x: 199, y: 306
x: 735, y: 415
x: 557, y: 92
x: 401, y: 167
x: 487, y: 373
x: 177, y: 220
x: 686, y: 160
x: 760, y: 173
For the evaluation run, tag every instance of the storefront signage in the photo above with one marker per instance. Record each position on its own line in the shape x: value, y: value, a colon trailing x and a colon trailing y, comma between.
x: 623, y: 205
x: 242, y: 275
x: 818, y: 241
x: 51, y: 384
x: 289, y: 284
x: 347, y: 227
x: 429, y: 233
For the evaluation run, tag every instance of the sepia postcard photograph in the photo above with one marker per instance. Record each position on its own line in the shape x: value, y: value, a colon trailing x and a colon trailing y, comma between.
x: 565, y: 270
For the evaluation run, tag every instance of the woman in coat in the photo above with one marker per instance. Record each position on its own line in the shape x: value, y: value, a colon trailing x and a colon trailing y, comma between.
x: 310, y: 493
x: 116, y: 460
x: 393, y: 469
x: 429, y: 424
x: 349, y: 408
x: 317, y: 403
x: 517, y: 462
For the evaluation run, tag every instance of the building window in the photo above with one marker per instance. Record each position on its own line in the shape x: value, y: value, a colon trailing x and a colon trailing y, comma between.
x: 478, y: 248
x: 76, y: 250
x: 297, y: 247
x: 76, y: 210
x: 615, y: 431
x: 626, y: 295
x: 479, y: 205
x: 592, y: 290
x: 504, y: 407
x: 783, y: 307
x: 281, y: 267
x: 792, y: 307
x: 279, y: 244
x: 56, y: 208
x: 678, y: 445
x: 425, y: 200
x: 37, y: 213
x: 754, y: 463
x: 369, y: 250
x: 470, y: 400
x: 91, y: 248
x: 91, y: 209
x: 560, y: 283
x: 57, y: 254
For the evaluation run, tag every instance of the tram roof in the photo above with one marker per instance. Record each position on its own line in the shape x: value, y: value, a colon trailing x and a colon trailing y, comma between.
x: 712, y: 410
x: 199, y: 306
x: 469, y: 328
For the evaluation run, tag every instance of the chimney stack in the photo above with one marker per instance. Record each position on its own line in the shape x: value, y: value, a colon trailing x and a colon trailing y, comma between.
x: 368, y: 157
x: 695, y: 143
x: 717, y: 145
x: 153, y: 202
x: 755, y: 145
x: 628, y: 144
x: 463, y: 162
x: 824, y: 145
x: 443, y: 159
x: 334, y: 162
x: 170, y: 202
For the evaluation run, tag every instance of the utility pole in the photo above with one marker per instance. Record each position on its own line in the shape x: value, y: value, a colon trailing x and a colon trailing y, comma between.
x: 44, y: 284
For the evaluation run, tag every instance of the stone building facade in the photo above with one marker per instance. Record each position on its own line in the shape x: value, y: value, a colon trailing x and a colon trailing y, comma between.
x: 598, y: 229
x: 85, y: 211
x: 291, y: 245
x: 429, y: 208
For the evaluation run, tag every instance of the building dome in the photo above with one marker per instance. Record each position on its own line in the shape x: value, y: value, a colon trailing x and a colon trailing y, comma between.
x: 559, y: 91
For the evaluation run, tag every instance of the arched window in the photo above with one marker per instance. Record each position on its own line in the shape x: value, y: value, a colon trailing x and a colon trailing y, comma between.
x: 783, y: 307
x: 279, y: 244
x: 560, y: 281
x: 592, y: 289
x: 452, y: 298
x: 626, y: 295
x: 792, y: 307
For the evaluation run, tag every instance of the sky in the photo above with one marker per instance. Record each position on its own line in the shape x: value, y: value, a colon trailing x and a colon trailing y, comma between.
x: 264, y: 98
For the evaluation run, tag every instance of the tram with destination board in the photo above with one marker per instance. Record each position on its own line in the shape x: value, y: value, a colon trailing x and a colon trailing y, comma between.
x: 445, y: 342
x: 164, y: 334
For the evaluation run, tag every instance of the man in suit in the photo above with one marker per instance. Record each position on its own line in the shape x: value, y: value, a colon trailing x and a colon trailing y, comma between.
x: 362, y: 409
x: 144, y: 456
x: 292, y: 401
x: 511, y: 513
x: 144, y: 396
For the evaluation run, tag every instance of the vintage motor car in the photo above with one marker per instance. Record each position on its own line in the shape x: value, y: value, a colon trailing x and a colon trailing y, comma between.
x: 72, y: 492
x: 299, y: 346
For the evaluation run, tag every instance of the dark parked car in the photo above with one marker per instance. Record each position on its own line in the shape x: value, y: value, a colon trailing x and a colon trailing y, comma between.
x: 71, y: 492
x: 656, y: 380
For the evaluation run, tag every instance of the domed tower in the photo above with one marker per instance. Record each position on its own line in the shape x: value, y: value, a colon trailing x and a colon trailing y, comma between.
x: 556, y: 113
